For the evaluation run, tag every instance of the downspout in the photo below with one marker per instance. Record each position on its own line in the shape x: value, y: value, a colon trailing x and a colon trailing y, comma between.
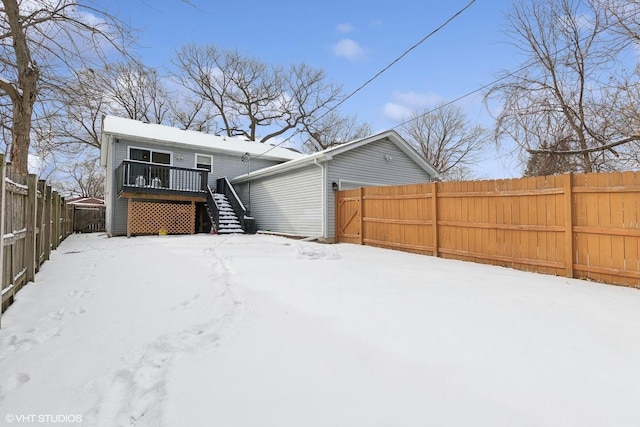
x: 109, y: 172
x: 246, y: 157
x: 324, y: 197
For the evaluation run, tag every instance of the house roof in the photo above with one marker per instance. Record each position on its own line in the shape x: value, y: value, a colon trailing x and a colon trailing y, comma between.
x: 86, y: 201
x: 328, y: 154
x: 167, y: 135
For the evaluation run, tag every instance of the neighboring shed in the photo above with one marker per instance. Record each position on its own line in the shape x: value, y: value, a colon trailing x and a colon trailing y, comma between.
x: 88, y: 214
x: 297, y: 197
x: 86, y: 201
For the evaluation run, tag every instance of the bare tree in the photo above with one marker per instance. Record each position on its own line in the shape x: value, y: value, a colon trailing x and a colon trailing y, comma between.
x: 41, y: 41
x: 84, y: 178
x: 447, y: 139
x: 331, y: 130
x: 127, y: 89
x: 191, y: 112
x: 248, y: 95
x: 551, y: 163
x: 134, y: 91
x: 559, y: 103
x: 623, y: 15
x: 200, y: 72
x: 82, y: 102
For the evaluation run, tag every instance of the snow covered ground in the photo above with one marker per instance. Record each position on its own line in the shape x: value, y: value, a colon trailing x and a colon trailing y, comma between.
x: 264, y: 331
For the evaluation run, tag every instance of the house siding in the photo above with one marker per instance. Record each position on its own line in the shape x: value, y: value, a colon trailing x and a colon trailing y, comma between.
x: 231, y: 166
x: 289, y: 203
x: 119, y: 218
x: 224, y: 165
x: 366, y: 166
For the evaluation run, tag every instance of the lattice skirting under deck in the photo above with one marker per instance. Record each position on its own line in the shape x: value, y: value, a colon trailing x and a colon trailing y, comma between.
x: 146, y: 217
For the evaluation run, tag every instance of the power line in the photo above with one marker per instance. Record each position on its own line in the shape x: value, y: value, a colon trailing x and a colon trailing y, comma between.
x: 481, y: 88
x: 454, y: 100
x: 379, y: 73
x: 527, y: 64
x: 405, y: 53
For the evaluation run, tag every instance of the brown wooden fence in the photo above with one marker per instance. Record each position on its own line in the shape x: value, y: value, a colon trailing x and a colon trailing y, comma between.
x: 34, y: 219
x: 585, y: 226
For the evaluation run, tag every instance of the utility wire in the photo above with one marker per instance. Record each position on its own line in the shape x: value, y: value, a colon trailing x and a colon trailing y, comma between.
x: 379, y: 73
x: 526, y: 65
x: 499, y: 79
x: 453, y: 101
x: 405, y: 53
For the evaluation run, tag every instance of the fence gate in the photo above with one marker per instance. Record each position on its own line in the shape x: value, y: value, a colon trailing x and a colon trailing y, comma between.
x: 88, y: 219
x: 349, y: 216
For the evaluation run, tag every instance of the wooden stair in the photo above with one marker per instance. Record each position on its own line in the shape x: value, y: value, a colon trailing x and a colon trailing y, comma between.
x: 228, y: 222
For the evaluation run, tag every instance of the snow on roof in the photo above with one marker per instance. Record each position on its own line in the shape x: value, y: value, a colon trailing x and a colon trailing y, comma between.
x: 93, y: 201
x: 118, y: 126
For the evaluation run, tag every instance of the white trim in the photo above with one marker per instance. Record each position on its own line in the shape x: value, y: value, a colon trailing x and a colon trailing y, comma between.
x: 359, y: 183
x: 323, y: 176
x: 195, y: 161
x: 3, y: 195
x: 151, y: 151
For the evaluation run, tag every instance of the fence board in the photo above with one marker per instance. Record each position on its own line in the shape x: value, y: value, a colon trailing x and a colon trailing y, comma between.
x: 25, y: 224
x: 584, y: 226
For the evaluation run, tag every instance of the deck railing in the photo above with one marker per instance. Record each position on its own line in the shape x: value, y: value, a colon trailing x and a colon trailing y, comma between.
x: 213, y: 208
x: 144, y: 177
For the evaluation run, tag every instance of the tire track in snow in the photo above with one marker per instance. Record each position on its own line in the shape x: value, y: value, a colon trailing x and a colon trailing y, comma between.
x: 134, y: 394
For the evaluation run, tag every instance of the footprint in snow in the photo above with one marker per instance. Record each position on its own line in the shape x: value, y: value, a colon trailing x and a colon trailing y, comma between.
x: 79, y: 294
x: 314, y: 252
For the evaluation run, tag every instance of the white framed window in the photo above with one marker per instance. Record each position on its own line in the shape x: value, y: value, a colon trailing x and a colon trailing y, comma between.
x: 150, y: 156
x: 149, y: 168
x: 204, y: 161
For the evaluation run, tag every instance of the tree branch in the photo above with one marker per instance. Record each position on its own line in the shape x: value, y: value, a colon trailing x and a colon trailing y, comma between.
x: 588, y: 150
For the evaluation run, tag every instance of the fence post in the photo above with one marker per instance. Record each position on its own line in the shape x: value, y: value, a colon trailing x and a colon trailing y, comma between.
x: 55, y: 220
x: 361, y: 209
x: 30, y: 243
x: 48, y: 208
x: 3, y: 209
x: 568, y: 223
x: 40, y: 223
x: 434, y: 205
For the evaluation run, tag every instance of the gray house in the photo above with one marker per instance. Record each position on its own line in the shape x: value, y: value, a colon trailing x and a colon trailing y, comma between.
x: 161, y: 179
x: 297, y: 197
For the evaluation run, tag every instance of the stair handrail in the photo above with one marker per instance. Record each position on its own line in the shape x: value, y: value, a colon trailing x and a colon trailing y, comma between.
x: 224, y: 187
x: 213, y: 206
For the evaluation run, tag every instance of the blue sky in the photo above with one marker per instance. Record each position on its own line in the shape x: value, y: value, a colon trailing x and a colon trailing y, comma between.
x: 351, y: 41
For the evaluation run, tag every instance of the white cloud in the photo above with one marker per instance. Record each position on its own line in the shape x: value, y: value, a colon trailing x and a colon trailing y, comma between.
x: 396, y: 112
x: 349, y: 49
x: 417, y: 100
x: 403, y: 104
x: 344, y: 28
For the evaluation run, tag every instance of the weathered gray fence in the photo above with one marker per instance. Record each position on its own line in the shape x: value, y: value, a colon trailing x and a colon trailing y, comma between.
x: 88, y: 219
x: 34, y: 219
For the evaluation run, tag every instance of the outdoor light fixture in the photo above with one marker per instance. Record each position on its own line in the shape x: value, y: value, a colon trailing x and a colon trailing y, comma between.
x: 388, y: 157
x: 335, y: 186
